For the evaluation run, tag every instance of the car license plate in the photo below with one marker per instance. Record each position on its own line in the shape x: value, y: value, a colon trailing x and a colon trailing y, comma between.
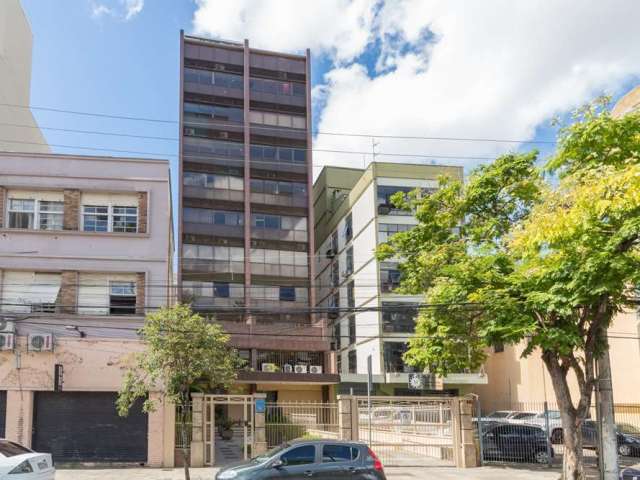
x: 42, y: 465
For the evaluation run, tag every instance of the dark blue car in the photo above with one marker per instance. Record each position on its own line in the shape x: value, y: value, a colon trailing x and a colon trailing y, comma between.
x: 317, y: 459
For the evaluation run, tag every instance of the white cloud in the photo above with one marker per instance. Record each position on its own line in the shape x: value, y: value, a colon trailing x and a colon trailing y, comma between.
x: 124, y: 10
x: 492, y: 69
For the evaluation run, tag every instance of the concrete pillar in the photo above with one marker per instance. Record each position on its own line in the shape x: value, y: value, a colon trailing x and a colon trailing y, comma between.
x: 71, y: 215
x: 197, y: 430
x: 67, y: 299
x: 347, y: 417
x: 19, y: 416
x: 141, y: 286
x: 464, y: 446
x: 142, y: 212
x: 169, y: 447
x: 454, y: 405
x: 162, y: 424
x: 259, y: 429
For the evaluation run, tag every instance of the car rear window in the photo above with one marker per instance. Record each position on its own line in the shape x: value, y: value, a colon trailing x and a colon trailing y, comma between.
x: 339, y: 453
x: 10, y: 449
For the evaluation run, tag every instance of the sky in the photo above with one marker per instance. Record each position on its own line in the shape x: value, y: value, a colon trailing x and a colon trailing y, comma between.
x: 492, y: 70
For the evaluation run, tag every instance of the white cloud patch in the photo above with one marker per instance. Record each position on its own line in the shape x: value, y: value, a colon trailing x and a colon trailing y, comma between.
x: 494, y: 69
x: 123, y: 10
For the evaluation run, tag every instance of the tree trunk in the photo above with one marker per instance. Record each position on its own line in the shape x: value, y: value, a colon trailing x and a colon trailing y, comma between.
x: 186, y: 457
x: 609, y: 453
x: 573, y: 461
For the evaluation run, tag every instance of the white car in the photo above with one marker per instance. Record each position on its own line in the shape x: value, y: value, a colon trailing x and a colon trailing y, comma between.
x: 20, y: 463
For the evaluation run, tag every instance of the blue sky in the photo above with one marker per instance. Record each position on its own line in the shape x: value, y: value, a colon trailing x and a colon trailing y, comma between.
x: 394, y: 67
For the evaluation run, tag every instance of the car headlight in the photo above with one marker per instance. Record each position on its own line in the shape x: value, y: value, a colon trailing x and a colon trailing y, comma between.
x: 24, y: 467
x: 228, y: 475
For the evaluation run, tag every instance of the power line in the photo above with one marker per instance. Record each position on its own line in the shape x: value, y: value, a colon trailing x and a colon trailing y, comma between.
x: 316, y: 132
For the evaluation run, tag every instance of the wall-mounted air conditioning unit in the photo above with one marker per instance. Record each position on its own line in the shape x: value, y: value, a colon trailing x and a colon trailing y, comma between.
x: 40, y: 342
x: 7, y: 326
x: 269, y: 367
x: 7, y: 341
x: 287, y: 368
x: 315, y: 369
x: 300, y: 369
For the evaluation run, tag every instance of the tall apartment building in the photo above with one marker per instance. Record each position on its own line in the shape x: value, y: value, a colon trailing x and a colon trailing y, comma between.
x: 246, y: 222
x: 353, y: 215
x: 15, y: 82
x: 85, y: 250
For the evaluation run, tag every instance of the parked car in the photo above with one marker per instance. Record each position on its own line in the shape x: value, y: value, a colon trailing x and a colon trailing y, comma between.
x: 516, y: 442
x: 627, y: 438
x: 319, y: 459
x: 22, y: 463
x: 630, y: 473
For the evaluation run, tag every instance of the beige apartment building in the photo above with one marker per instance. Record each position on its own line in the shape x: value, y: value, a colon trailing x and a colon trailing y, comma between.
x: 85, y: 250
x: 19, y: 131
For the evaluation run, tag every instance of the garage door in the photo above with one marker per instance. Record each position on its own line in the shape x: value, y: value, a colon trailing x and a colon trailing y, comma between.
x: 3, y: 412
x: 84, y: 427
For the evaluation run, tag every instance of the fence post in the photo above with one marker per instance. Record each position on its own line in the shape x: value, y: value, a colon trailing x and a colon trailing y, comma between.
x: 259, y: 433
x: 480, y: 431
x: 197, y: 430
x: 464, y: 444
x: 345, y: 417
x: 548, y: 433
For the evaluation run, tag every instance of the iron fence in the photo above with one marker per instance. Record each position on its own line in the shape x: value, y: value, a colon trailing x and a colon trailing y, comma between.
x: 180, y: 441
x: 292, y: 420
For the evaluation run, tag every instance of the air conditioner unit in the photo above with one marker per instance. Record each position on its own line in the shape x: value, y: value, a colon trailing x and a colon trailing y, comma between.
x: 330, y: 253
x: 7, y: 341
x: 40, y: 342
x: 300, y: 369
x: 287, y: 368
x: 7, y: 326
x: 269, y: 367
x: 315, y: 369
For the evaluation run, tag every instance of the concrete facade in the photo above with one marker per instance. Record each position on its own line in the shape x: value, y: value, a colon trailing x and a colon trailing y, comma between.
x: 354, y: 215
x: 15, y: 82
x: 85, y: 290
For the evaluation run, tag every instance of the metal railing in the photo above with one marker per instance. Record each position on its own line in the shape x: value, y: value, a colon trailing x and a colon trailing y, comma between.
x: 179, y: 440
x: 292, y: 420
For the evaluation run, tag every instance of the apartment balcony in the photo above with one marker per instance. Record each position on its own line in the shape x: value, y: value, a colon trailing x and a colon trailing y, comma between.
x: 198, y: 265
x: 277, y: 366
x: 213, y: 193
x: 233, y: 231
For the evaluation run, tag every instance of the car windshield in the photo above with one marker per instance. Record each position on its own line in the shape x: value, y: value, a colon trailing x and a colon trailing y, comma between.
x: 626, y: 428
x: 10, y: 449
x: 498, y: 415
x: 522, y: 415
x: 269, y: 453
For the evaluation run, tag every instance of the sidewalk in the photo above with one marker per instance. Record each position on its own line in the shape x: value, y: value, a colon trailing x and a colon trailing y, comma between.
x: 393, y: 473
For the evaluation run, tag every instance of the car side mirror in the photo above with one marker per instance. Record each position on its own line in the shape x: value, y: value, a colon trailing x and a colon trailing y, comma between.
x: 277, y: 463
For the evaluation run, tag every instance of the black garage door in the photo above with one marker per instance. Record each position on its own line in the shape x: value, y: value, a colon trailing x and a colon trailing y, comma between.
x: 85, y: 427
x: 3, y: 412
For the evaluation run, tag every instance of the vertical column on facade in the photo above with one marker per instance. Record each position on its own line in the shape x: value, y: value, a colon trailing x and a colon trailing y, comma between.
x: 259, y: 432
x: 310, y: 211
x: 3, y: 196
x: 19, y: 416
x: 468, y: 454
x: 143, y: 206
x: 141, y: 285
x: 156, y: 431
x: 347, y: 412
x: 71, y: 212
x: 67, y: 300
x: 247, y: 176
x: 197, y: 430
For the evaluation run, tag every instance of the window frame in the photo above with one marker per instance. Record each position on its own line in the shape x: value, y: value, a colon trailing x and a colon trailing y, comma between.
x: 36, y: 213
x: 110, y: 217
x: 131, y: 309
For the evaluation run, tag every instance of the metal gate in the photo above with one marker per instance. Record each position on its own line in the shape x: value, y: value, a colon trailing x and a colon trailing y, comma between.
x: 228, y: 428
x: 310, y: 420
x: 407, y: 431
x: 85, y: 427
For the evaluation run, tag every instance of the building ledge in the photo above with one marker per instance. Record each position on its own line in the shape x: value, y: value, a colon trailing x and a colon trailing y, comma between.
x: 280, y: 377
x: 466, y: 379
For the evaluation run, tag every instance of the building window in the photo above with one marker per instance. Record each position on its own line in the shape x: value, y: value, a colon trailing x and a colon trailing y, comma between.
x: 385, y: 205
x: 352, y: 329
x: 398, y: 317
x: 213, y: 217
x: 337, y: 334
x: 109, y: 218
x: 271, y: 154
x: 278, y: 120
x: 122, y: 298
x: 287, y: 294
x: 348, y: 228
x: 206, y: 77
x: 353, y: 361
x: 277, y: 87
x: 335, y: 273
x: 221, y: 290
x: 334, y: 305
x: 334, y: 243
x: 349, y: 261
x: 386, y: 230
x: 390, y: 276
x: 393, y: 361
x: 35, y: 214
x: 339, y: 362
x: 351, y: 295
x: 197, y: 111
x: 213, y: 181
x: 279, y: 222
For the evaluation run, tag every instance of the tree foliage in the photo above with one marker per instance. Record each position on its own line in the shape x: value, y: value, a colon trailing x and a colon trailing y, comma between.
x: 514, y: 255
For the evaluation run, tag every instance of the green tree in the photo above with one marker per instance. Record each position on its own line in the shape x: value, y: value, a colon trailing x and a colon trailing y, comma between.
x: 183, y: 352
x: 513, y: 257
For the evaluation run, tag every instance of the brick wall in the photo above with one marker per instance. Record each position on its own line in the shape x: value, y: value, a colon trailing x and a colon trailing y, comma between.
x: 67, y: 299
x: 3, y: 196
x: 142, y: 212
x: 71, y: 217
x: 140, y: 293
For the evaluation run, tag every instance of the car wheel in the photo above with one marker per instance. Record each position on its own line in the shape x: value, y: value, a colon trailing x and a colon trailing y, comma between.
x: 541, y: 457
x: 624, y: 450
x: 557, y: 436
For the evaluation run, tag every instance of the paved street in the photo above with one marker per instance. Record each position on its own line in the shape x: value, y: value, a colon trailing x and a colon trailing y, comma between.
x: 397, y: 473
